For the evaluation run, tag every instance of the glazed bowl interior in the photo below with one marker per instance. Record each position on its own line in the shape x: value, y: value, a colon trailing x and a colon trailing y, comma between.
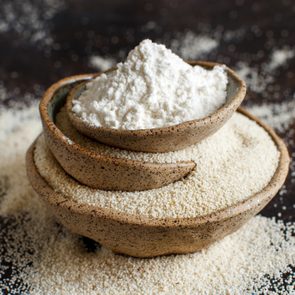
x: 59, y: 98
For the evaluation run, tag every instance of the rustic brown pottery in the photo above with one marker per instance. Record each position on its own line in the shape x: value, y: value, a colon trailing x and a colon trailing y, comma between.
x: 169, y: 138
x: 98, y: 170
x: 141, y: 236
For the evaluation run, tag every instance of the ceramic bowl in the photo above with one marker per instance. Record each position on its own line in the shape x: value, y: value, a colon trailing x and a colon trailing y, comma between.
x: 169, y: 138
x: 99, y: 170
x: 141, y: 236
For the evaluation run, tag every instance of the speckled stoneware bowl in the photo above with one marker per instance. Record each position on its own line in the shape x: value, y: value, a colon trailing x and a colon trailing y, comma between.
x: 94, y: 169
x: 145, y: 237
x: 169, y: 138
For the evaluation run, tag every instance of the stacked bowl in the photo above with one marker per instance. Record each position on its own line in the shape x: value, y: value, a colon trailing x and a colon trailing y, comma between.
x: 138, y: 234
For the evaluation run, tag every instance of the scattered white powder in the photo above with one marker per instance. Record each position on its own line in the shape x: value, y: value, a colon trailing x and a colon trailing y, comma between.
x: 279, y: 115
x: 152, y: 88
x: 29, y: 19
x: 254, y: 78
x: 236, y: 162
x: 192, y: 46
x: 39, y: 257
x: 101, y: 63
x: 280, y: 56
x: 203, y: 46
x: 258, y: 79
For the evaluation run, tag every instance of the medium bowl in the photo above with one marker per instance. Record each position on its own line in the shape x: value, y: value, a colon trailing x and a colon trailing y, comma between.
x: 92, y: 168
x: 169, y: 138
x: 140, y: 236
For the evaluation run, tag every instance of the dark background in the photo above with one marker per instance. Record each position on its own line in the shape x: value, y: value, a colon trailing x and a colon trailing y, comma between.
x: 40, y: 44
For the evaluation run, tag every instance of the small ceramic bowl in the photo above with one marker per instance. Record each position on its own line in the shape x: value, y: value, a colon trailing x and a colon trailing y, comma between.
x: 169, y: 138
x: 141, y: 236
x: 94, y: 169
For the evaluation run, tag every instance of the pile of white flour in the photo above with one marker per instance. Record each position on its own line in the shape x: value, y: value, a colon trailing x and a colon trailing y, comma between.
x: 152, y: 88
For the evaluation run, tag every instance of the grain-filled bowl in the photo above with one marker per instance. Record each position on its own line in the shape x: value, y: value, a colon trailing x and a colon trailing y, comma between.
x: 93, y: 168
x: 170, y: 138
x: 141, y: 236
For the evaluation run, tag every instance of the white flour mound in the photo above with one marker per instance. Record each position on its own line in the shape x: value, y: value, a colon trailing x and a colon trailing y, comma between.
x: 152, y: 88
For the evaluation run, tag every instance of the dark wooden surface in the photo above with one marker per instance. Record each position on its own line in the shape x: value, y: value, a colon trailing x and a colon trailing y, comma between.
x: 80, y: 29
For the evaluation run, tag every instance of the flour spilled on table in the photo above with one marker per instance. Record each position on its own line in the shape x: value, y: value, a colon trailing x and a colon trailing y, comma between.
x: 46, y: 258
x: 259, y: 79
x: 29, y: 19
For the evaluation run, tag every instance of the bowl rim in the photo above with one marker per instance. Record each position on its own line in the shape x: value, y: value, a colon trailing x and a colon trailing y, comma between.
x: 233, y: 104
x: 265, y: 195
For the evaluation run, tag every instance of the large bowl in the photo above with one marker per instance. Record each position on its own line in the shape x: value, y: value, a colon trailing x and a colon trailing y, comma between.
x: 141, y: 236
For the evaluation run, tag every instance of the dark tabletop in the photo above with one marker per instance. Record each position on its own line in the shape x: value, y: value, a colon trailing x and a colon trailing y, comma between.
x: 43, y: 44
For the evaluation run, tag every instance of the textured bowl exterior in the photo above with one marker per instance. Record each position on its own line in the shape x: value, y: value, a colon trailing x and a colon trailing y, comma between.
x: 96, y: 170
x: 169, y: 138
x: 141, y: 236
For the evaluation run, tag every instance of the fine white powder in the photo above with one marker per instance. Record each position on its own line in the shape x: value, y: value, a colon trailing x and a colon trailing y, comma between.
x: 191, y: 46
x: 152, y: 88
x: 279, y: 57
x: 101, y: 63
x: 279, y: 115
x: 231, y: 165
x: 259, y: 79
x: 47, y: 259
x: 29, y: 19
